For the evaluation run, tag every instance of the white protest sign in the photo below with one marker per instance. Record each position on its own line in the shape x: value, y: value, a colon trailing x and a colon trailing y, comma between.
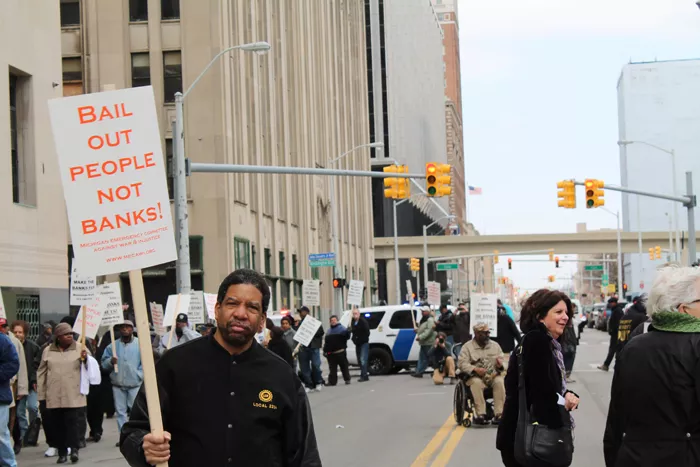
x: 409, y: 291
x: 157, y: 317
x: 210, y: 302
x: 173, y: 308
x: 111, y: 302
x: 307, y: 330
x: 82, y: 288
x: 93, y: 313
x: 355, y: 292
x: 113, y: 174
x: 195, y: 313
x: 311, y: 293
x: 434, y: 293
x: 484, y: 309
x: 3, y: 313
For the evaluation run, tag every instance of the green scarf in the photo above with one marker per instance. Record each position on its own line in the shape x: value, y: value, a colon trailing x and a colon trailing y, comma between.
x: 673, y: 321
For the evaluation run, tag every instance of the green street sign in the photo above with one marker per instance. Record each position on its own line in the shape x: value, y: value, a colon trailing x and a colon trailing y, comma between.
x: 447, y: 266
x: 593, y: 267
x: 322, y: 263
x: 605, y: 280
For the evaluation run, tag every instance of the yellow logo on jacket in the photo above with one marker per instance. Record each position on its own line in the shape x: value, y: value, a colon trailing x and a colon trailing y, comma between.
x: 265, y: 397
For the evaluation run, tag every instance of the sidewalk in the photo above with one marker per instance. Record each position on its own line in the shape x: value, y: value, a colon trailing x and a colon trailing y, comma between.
x: 103, y: 453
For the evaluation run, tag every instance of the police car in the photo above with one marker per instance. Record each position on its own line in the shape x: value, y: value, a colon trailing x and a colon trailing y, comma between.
x: 392, y: 340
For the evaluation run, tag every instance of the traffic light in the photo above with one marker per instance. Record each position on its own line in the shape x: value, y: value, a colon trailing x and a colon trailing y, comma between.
x: 415, y: 264
x: 396, y: 188
x: 437, y: 179
x: 567, y: 194
x: 510, y: 263
x: 551, y: 256
x: 651, y: 254
x: 556, y: 261
x: 657, y: 250
x: 495, y: 256
x: 594, y: 193
x: 338, y: 283
x: 624, y: 287
x: 550, y: 278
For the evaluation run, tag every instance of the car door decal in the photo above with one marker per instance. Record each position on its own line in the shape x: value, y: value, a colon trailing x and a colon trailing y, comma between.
x: 403, y: 343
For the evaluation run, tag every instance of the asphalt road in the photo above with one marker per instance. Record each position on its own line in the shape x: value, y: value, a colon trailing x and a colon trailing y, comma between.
x: 399, y: 421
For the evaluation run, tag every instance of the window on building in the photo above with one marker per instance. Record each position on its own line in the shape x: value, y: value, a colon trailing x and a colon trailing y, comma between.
x: 315, y: 273
x: 197, y: 252
x: 281, y: 258
x: 285, y: 295
x: 172, y: 75
x: 72, y: 76
x: 21, y: 156
x: 242, y: 252
x: 140, y: 70
x: 170, y: 167
x: 138, y: 10
x: 28, y: 310
x: 170, y: 9
x: 253, y: 258
x: 268, y: 258
x: 294, y: 266
x: 70, y: 13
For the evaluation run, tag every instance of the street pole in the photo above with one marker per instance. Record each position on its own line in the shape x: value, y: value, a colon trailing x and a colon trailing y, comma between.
x: 619, y: 256
x: 337, y: 297
x: 692, y: 253
x: 396, y: 257
x: 182, y: 263
x: 425, y: 256
x: 670, y: 239
x: 639, y: 242
x: 675, y: 207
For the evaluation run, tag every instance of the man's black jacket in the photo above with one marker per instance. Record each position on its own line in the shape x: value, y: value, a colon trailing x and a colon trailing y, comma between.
x: 246, y: 410
x: 360, y: 331
x: 32, y: 353
x: 614, y: 321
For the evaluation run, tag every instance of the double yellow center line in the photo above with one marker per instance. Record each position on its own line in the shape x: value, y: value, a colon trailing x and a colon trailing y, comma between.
x: 446, y: 449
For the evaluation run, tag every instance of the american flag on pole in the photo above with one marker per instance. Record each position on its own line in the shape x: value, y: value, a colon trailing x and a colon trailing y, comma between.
x: 474, y: 190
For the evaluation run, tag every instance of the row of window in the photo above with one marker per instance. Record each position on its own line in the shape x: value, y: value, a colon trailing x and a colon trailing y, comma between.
x: 140, y: 72
x: 138, y: 11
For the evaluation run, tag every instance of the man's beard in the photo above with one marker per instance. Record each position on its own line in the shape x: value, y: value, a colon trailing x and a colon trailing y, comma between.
x: 237, y: 339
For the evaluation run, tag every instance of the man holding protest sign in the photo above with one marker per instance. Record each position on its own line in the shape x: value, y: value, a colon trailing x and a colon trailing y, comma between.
x: 262, y: 415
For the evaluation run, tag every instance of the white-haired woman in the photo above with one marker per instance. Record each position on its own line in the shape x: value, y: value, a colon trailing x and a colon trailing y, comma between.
x: 654, y: 415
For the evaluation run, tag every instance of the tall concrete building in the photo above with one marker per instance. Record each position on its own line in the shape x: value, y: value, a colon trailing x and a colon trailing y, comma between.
x: 33, y: 234
x: 302, y: 104
x: 407, y: 113
x: 658, y: 104
x: 447, y: 13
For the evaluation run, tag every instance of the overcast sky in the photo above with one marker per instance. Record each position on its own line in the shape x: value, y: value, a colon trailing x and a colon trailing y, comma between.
x: 539, y: 90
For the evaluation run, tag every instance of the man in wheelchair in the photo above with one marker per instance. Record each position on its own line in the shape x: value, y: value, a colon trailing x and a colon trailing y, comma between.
x: 483, y: 366
x: 441, y: 360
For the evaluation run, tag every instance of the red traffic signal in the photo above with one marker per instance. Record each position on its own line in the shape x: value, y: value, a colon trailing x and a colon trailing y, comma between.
x: 338, y: 283
x: 510, y: 263
x: 556, y: 262
x: 624, y: 287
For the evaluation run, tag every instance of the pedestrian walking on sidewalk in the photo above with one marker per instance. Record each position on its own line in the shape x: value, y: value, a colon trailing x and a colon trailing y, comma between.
x: 335, y: 349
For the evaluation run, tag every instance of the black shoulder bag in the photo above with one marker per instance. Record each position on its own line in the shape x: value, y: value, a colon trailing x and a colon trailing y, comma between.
x: 538, y: 445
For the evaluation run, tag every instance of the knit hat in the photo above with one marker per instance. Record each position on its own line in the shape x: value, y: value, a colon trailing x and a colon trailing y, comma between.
x: 481, y: 327
x: 62, y: 329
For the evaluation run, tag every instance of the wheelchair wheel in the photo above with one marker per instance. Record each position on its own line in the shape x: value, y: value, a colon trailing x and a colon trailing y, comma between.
x: 469, y: 409
x: 458, y: 403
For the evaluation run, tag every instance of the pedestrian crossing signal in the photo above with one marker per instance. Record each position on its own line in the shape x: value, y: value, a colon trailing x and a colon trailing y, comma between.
x: 510, y: 263
x: 338, y: 283
x: 556, y: 262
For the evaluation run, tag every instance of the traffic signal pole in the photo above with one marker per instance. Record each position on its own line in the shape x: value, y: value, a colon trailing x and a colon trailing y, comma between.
x: 689, y: 201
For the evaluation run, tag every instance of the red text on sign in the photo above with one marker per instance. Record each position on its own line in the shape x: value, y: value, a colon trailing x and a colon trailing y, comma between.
x: 126, y: 219
x: 121, y: 193
x: 110, y: 167
x: 98, y: 141
x: 89, y: 114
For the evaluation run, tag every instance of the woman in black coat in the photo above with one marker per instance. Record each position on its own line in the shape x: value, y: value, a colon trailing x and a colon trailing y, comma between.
x: 542, y: 319
x: 654, y: 414
x: 279, y: 346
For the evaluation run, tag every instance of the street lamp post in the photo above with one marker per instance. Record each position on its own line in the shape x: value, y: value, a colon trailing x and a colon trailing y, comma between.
x: 619, y: 248
x: 337, y: 293
x: 182, y: 263
x: 425, y: 247
x: 671, y: 153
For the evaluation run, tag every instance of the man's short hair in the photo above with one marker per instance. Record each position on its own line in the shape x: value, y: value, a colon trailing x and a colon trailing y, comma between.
x: 333, y: 316
x: 246, y: 276
x: 287, y: 319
